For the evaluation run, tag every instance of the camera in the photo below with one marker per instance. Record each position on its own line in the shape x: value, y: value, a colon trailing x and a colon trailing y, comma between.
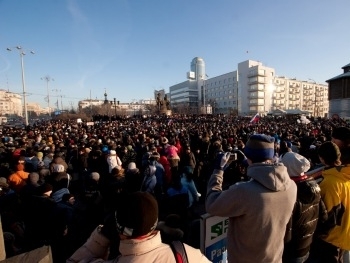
x: 233, y: 157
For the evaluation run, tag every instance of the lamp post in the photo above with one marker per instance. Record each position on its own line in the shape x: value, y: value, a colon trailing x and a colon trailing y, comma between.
x: 21, y: 54
x: 47, y: 78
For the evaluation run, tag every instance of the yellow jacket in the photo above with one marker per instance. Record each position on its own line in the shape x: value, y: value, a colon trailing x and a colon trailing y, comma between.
x: 335, y: 192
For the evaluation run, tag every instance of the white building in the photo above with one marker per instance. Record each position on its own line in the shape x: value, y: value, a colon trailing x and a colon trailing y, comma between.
x: 10, y: 103
x: 252, y: 88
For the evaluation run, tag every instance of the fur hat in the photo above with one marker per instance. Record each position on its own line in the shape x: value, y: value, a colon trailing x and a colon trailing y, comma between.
x: 296, y: 164
x: 137, y: 215
x: 259, y: 148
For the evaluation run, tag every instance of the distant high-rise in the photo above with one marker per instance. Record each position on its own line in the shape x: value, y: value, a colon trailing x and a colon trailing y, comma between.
x: 198, y: 67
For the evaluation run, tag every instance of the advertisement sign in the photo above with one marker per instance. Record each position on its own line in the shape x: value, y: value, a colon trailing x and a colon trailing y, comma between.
x: 214, y: 237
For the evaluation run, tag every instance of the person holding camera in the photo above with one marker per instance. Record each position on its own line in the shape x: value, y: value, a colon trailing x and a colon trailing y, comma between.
x: 130, y: 235
x: 258, y: 209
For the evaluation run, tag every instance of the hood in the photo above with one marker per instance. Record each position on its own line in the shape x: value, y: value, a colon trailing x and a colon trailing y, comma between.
x: 273, y: 176
x: 342, y: 172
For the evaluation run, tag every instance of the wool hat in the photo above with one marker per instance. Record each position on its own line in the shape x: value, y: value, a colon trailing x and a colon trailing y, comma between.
x: 137, y: 215
x: 129, y: 147
x: 112, y: 152
x: 296, y: 164
x: 3, y: 182
x: 259, y: 148
x: 341, y: 133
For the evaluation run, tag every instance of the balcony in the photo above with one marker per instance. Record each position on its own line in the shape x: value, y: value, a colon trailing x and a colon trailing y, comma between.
x: 256, y: 81
x: 255, y: 73
x: 257, y: 88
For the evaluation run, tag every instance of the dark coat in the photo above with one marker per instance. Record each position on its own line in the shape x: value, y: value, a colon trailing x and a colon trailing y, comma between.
x: 308, y: 209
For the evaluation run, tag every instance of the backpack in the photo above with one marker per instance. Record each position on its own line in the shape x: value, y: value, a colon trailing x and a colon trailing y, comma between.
x: 179, y: 251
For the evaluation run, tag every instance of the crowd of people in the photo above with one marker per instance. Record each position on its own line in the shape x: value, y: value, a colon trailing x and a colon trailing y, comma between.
x: 119, y: 183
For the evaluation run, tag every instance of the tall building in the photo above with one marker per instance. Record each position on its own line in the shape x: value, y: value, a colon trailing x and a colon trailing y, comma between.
x: 252, y: 88
x: 339, y: 94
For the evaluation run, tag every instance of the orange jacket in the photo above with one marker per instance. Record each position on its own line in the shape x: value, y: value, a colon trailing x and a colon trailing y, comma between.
x: 17, y: 180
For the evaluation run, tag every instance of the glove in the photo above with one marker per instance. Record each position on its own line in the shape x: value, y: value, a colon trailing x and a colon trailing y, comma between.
x: 222, y: 161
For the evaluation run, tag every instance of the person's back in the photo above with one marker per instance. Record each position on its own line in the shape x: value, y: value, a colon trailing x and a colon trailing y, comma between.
x: 307, y: 210
x: 259, y: 209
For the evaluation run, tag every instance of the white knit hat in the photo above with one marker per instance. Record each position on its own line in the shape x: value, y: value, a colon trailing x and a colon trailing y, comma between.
x: 296, y: 164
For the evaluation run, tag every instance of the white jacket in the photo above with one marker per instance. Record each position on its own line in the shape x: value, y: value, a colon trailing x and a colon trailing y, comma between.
x: 150, y: 249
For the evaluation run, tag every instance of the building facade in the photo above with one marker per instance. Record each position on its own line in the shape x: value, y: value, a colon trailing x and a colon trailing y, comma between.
x: 252, y: 88
x: 339, y: 94
x: 10, y: 103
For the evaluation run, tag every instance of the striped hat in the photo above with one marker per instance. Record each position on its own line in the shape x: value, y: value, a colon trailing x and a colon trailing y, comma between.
x: 259, y: 148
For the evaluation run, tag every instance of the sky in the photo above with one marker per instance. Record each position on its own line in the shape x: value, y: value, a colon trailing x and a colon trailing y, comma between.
x: 129, y: 48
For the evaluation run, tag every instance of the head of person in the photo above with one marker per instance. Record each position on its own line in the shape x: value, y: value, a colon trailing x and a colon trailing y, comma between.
x: 137, y: 216
x: 341, y: 137
x: 259, y: 148
x: 329, y: 154
x: 296, y: 164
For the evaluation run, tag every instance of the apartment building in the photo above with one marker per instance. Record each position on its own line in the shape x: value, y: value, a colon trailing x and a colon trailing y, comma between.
x: 252, y: 88
x: 10, y: 103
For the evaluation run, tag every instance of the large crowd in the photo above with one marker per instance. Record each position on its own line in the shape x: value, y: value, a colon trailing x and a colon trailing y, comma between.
x: 60, y: 180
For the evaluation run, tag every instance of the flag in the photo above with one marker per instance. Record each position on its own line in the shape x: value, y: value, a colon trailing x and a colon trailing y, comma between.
x: 255, y: 118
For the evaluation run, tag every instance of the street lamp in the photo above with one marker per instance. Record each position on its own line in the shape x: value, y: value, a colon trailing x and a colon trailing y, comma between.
x: 47, y: 78
x: 21, y: 54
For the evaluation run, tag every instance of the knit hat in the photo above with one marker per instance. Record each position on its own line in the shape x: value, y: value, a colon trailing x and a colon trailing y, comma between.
x: 95, y: 176
x: 296, y: 164
x: 112, y: 152
x: 3, y: 182
x: 259, y: 148
x: 137, y: 215
x: 129, y: 147
x: 341, y: 133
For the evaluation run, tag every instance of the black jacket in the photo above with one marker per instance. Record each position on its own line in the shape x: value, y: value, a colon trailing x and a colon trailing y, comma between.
x: 307, y: 211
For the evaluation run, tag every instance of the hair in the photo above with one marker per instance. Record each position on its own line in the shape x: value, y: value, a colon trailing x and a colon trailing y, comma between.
x: 330, y: 154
